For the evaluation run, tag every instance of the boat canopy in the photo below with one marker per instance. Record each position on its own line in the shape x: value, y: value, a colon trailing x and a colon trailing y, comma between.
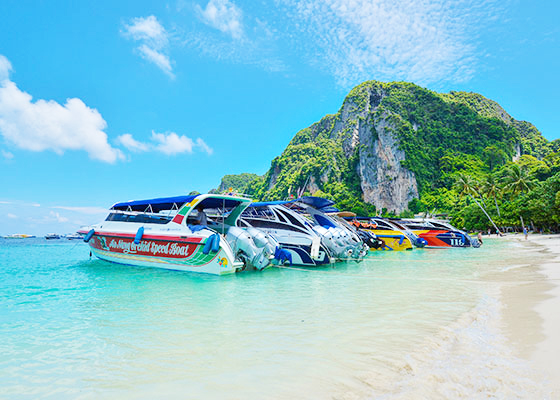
x: 154, y: 205
x: 174, y: 203
x: 318, y: 203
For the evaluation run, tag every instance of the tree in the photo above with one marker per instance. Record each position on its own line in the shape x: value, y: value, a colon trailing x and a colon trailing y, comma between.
x: 492, y: 189
x: 518, y: 180
x: 494, y: 156
x: 465, y: 185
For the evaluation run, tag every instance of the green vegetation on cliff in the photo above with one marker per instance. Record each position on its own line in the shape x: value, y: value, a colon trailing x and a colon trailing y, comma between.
x: 239, y: 183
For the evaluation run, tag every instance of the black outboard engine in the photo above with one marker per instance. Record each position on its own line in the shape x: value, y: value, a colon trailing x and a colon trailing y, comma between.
x: 369, y: 239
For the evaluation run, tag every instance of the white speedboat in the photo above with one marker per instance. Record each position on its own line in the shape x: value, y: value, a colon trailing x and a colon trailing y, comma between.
x: 164, y: 233
x: 293, y: 232
x: 343, y: 241
x: 309, y: 219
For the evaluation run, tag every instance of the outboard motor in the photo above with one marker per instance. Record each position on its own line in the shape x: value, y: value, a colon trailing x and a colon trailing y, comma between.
x: 263, y: 241
x: 370, y: 239
x: 332, y: 241
x: 255, y: 248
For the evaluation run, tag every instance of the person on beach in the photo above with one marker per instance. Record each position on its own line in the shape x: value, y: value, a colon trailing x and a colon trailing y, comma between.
x: 480, y: 237
x: 525, y: 232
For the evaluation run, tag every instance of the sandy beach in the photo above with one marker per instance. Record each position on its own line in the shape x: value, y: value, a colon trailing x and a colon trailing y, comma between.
x: 531, y: 302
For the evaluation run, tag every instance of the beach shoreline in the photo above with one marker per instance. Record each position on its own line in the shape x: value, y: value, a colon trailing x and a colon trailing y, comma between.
x: 530, y: 315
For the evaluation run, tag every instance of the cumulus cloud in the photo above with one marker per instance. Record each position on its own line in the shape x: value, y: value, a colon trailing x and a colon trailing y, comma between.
x: 223, y: 15
x: 153, y: 39
x: 172, y: 143
x: 167, y: 143
x: 418, y: 40
x: 48, y: 125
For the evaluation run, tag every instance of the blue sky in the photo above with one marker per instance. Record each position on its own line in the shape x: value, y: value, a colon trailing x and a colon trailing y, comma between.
x: 109, y: 101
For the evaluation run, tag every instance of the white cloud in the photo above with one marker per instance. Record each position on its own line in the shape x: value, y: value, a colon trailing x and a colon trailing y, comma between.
x: 5, y: 68
x: 255, y: 42
x: 159, y: 59
x: 154, y: 41
x: 203, y: 146
x: 417, y: 40
x: 166, y: 143
x: 132, y: 144
x: 148, y: 29
x: 48, y: 125
x: 7, y: 155
x: 224, y: 16
x: 172, y: 143
x: 12, y: 216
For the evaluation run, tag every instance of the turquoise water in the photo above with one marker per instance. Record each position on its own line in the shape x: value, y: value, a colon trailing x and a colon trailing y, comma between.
x: 75, y: 327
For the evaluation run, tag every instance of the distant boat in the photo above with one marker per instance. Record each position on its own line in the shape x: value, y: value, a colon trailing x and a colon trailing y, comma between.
x: 73, y: 236
x: 438, y: 233
x: 50, y: 236
x: 18, y: 236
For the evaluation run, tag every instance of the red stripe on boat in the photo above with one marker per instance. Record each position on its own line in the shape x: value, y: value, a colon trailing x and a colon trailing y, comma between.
x: 146, y: 247
x: 178, y: 219
x: 195, y: 239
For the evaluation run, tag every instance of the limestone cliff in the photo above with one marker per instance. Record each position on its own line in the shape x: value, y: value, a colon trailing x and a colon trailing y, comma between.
x: 390, y: 142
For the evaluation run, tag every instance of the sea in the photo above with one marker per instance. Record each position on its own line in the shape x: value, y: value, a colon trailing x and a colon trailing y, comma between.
x: 421, y: 324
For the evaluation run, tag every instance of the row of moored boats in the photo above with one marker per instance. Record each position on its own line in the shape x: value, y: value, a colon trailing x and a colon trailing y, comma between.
x: 222, y: 234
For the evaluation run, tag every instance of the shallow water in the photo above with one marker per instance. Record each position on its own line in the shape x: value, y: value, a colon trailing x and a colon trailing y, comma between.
x: 420, y: 324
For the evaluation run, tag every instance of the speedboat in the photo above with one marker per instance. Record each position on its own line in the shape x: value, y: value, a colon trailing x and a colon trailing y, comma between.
x: 18, y: 236
x: 392, y: 236
x: 73, y: 236
x: 439, y: 233
x: 51, y: 236
x: 293, y: 232
x: 166, y: 233
x: 344, y: 242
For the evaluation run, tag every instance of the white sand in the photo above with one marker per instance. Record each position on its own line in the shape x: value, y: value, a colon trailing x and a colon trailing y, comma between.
x: 547, y: 352
x: 537, y: 335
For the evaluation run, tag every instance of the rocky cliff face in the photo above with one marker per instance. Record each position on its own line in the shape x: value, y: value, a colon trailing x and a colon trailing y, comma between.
x: 384, y: 182
x: 389, y: 142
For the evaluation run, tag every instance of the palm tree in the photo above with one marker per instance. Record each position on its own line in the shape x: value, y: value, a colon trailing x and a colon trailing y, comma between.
x: 465, y: 185
x: 519, y: 180
x: 492, y: 189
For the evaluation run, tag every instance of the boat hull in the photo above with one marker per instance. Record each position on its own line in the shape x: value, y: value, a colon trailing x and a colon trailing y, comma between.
x: 392, y: 240
x: 182, y: 254
x: 442, y: 238
x: 301, y: 255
